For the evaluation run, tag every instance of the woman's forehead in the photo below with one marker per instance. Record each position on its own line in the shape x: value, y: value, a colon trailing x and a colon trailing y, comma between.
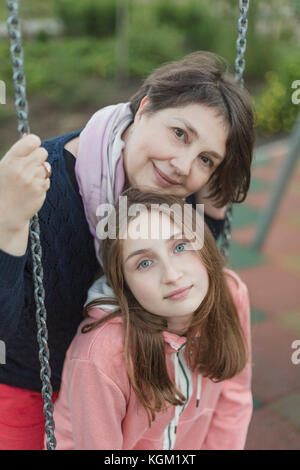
x: 193, y: 111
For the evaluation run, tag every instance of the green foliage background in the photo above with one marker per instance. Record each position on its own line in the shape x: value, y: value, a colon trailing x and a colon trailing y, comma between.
x: 71, y: 68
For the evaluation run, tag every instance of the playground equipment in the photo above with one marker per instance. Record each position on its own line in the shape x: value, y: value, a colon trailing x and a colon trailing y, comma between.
x: 267, y: 216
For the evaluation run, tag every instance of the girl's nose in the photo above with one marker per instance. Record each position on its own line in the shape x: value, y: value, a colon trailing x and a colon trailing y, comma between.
x: 171, y: 272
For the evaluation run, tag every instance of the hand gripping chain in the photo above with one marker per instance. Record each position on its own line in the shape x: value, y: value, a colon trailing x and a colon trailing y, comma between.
x: 16, y: 53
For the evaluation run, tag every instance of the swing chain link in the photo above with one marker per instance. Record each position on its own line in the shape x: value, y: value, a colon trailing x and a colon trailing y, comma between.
x: 241, y: 42
x: 16, y: 52
x: 42, y: 332
x: 239, y: 70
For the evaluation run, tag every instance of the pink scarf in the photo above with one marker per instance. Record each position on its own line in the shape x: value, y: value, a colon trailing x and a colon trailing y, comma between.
x: 99, y: 164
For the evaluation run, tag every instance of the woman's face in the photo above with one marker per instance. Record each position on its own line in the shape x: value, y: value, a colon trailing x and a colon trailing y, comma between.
x: 155, y: 268
x: 183, y: 144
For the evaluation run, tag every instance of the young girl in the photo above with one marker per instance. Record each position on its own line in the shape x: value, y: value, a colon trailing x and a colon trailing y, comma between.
x: 170, y: 367
x: 188, y: 131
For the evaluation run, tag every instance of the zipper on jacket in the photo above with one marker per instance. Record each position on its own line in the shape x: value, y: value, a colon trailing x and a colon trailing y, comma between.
x: 175, y: 420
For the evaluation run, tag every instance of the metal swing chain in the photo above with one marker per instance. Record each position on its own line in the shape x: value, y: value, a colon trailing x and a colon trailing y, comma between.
x: 16, y: 53
x: 239, y: 70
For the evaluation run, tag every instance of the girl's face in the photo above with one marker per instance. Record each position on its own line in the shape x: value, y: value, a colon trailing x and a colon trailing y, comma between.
x: 184, y: 144
x: 156, y: 268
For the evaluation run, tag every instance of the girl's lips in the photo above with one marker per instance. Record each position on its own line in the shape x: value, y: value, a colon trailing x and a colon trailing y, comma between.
x: 160, y: 178
x: 180, y: 295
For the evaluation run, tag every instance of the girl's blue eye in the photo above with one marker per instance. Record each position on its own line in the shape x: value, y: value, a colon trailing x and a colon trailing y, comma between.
x: 180, y: 244
x: 142, y: 263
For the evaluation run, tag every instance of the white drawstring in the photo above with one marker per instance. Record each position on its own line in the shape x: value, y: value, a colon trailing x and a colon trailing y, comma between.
x: 176, y: 419
x: 199, y: 385
x: 199, y: 382
x: 177, y: 411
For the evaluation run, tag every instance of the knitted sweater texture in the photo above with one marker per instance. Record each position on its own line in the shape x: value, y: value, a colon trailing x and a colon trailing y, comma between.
x: 69, y: 267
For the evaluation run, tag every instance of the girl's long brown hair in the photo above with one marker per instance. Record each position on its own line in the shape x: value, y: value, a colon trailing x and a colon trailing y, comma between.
x: 219, y: 352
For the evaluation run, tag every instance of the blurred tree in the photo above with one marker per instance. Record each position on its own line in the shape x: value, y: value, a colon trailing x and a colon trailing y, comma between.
x: 121, y: 58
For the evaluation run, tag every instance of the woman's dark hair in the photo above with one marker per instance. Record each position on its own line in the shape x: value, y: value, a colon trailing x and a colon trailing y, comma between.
x: 219, y: 353
x: 202, y: 77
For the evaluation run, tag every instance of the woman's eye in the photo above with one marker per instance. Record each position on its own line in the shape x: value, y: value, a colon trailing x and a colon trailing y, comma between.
x: 179, y: 133
x: 207, y: 161
x: 181, y: 245
x: 143, y: 265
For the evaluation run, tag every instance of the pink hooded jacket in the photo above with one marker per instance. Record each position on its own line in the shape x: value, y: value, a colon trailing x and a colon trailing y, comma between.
x: 98, y: 409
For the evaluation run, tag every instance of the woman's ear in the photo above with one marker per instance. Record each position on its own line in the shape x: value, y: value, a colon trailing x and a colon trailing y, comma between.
x: 143, y: 104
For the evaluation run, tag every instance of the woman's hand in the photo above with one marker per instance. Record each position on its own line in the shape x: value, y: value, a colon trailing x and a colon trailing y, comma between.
x: 24, y: 182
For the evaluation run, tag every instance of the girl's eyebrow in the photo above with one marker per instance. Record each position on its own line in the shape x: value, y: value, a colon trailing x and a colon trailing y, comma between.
x: 148, y: 250
x: 195, y: 133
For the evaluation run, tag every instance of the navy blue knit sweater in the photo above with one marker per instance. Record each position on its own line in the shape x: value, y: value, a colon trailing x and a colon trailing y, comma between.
x: 69, y: 266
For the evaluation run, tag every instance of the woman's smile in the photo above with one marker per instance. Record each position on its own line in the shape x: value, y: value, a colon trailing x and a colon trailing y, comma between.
x: 162, y: 178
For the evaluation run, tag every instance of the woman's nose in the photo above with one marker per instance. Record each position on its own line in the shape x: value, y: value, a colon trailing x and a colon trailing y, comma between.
x: 182, y: 164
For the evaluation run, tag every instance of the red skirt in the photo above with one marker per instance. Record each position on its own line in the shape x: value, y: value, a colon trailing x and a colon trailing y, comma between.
x: 22, y: 421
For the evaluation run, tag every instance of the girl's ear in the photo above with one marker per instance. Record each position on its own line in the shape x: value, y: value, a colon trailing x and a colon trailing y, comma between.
x: 142, y: 106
